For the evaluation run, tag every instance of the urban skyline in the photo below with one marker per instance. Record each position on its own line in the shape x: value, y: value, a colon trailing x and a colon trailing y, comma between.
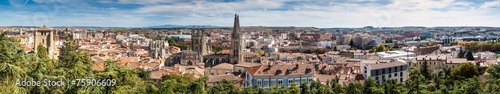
x: 300, y: 13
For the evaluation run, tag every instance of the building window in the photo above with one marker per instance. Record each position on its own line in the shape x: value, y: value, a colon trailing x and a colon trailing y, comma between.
x: 401, y: 68
x: 290, y: 82
x: 309, y: 81
x: 376, y: 72
x: 395, y: 69
x: 266, y: 84
x: 395, y: 74
x: 390, y: 76
x: 376, y: 78
x: 401, y: 73
x: 259, y: 83
x: 280, y: 83
x: 383, y: 71
x: 390, y: 70
x: 401, y: 79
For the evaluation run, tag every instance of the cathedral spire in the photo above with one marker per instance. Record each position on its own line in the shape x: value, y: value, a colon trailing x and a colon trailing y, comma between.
x: 236, y: 45
x: 236, y: 28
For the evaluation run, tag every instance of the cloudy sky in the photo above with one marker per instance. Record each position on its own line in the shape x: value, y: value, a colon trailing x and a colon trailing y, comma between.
x: 317, y: 13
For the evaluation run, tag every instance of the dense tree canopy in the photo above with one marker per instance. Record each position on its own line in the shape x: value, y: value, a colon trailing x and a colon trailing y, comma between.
x: 379, y: 48
x: 466, y: 69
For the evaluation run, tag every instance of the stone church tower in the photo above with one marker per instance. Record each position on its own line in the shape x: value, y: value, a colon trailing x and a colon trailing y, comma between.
x: 45, y: 36
x: 236, y: 42
x: 199, y: 43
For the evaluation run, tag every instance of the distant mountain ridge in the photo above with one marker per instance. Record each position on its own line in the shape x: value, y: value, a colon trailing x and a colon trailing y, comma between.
x: 180, y: 26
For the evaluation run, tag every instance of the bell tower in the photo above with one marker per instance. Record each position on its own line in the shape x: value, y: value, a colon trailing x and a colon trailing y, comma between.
x: 236, y: 42
x: 45, y: 36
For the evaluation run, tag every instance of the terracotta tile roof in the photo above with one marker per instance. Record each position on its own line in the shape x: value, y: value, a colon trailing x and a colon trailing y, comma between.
x: 99, y: 66
x: 248, y: 64
x: 323, y: 78
x: 224, y: 52
x: 431, y: 57
x: 192, y: 70
x: 158, y: 74
x: 386, y: 65
x: 27, y: 48
x: 284, y: 70
x: 253, y: 70
x: 44, y: 28
x: 219, y: 78
x: 456, y: 61
x: 132, y: 62
x: 223, y: 66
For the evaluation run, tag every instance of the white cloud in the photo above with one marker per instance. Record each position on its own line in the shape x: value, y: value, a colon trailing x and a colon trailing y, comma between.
x: 397, y: 13
x: 149, y: 1
x: 209, y: 7
x: 319, y: 13
x: 490, y: 4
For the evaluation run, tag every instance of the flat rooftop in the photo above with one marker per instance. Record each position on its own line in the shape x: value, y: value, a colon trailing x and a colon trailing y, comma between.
x: 394, y: 54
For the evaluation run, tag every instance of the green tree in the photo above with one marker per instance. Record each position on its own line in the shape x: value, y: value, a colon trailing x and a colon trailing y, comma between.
x: 461, y: 53
x: 351, y: 89
x: 225, y: 87
x: 368, y: 86
x: 381, y: 48
x: 414, y: 82
x: 300, y: 58
x: 424, y: 70
x: 492, y: 80
x: 469, y: 56
x: 261, y: 52
x: 390, y: 87
x: 336, y: 87
x: 378, y: 48
x: 351, y: 43
x: 388, y: 41
x: 304, y: 88
x: 295, y: 89
x: 12, y: 66
x: 466, y: 69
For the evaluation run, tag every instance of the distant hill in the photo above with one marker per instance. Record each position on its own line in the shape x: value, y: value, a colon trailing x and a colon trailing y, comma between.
x: 180, y: 26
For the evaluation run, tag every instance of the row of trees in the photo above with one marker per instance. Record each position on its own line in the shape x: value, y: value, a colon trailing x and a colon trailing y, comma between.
x: 464, y: 54
x: 379, y: 48
x: 492, y: 45
x: 178, y: 42
x: 75, y: 64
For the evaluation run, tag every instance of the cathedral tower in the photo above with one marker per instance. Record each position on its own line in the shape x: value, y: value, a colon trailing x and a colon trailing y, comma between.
x: 236, y: 42
x: 45, y: 37
x: 199, y: 43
